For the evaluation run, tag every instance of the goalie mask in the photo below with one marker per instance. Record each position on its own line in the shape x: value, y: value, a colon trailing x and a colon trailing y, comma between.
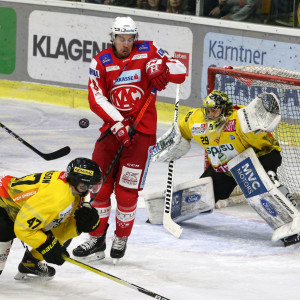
x: 84, y: 171
x: 216, y: 108
x: 123, y: 25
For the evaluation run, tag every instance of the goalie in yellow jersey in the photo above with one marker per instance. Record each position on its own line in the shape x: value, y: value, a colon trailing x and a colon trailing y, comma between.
x: 44, y: 210
x: 241, y: 150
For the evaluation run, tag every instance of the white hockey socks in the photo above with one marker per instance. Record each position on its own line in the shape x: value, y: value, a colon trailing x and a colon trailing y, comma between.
x: 4, y: 252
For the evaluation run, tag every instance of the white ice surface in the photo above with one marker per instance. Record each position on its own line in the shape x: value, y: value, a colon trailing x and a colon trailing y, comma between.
x: 225, y: 255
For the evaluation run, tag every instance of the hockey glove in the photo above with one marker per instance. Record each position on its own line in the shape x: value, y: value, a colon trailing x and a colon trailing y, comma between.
x: 158, y: 73
x: 87, y: 218
x: 52, y: 250
x: 120, y: 132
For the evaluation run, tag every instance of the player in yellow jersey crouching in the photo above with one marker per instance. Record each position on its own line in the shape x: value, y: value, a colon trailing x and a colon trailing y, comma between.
x: 44, y: 210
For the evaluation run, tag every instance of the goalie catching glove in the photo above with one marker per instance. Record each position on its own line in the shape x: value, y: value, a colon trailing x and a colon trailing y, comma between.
x: 52, y: 250
x: 158, y: 73
x: 170, y: 146
x: 87, y: 218
x: 263, y: 114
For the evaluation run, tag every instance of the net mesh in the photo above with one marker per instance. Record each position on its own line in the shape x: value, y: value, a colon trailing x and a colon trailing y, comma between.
x: 244, y: 86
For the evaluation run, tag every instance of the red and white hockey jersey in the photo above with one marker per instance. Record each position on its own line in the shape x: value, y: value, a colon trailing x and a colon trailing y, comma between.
x: 117, y: 86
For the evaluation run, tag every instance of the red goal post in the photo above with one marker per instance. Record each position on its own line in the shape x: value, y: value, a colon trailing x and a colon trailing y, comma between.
x: 243, y: 83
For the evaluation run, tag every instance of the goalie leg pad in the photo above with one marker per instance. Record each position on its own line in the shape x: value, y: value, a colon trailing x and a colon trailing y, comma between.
x: 263, y: 196
x: 189, y: 200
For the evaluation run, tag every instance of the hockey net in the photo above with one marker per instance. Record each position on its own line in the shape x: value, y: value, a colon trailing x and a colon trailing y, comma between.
x: 242, y: 84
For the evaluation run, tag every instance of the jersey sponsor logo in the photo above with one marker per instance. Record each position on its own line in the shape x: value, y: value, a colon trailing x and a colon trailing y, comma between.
x: 268, y: 207
x: 112, y: 68
x: 143, y: 47
x: 220, y: 155
x: 230, y: 126
x: 140, y: 56
x: 198, y: 128
x: 124, y: 97
x: 25, y: 195
x: 248, y: 179
x: 63, y: 176
x: 94, y: 72
x: 161, y: 52
x: 130, y: 178
x: 192, y: 198
x: 217, y: 150
x: 128, y: 77
x: 106, y: 59
x: 64, y: 213
x: 232, y: 137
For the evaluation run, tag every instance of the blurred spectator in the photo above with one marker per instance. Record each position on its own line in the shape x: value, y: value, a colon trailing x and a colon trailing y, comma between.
x: 282, y: 9
x: 178, y: 7
x: 151, y: 5
x: 124, y: 3
x: 209, y: 5
x: 238, y: 10
x: 95, y: 1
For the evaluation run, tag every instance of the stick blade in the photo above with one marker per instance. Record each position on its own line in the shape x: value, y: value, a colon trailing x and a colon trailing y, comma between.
x: 172, y: 227
x: 56, y: 154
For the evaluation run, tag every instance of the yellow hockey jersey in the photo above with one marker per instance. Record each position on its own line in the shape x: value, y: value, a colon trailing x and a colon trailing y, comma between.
x: 224, y: 145
x: 38, y: 203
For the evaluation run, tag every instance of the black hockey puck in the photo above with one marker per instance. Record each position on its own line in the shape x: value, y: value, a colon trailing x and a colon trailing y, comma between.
x: 84, y: 123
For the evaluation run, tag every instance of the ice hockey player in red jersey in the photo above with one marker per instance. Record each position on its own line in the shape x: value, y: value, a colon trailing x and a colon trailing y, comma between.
x: 121, y: 79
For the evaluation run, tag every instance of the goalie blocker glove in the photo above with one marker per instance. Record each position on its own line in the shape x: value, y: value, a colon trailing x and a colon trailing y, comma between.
x: 52, y: 250
x: 87, y: 218
x: 158, y: 73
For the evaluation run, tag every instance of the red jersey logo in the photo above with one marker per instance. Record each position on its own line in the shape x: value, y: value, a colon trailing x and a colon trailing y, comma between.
x: 124, y: 97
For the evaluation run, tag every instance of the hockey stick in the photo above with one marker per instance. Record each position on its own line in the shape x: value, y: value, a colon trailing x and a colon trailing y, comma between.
x: 114, y: 278
x: 131, y: 133
x: 47, y: 156
x: 169, y: 224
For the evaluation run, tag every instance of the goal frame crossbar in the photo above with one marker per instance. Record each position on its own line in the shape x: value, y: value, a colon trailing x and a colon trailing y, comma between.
x: 213, y: 71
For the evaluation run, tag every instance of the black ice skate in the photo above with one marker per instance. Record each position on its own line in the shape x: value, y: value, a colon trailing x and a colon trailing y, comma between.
x: 291, y: 240
x: 118, y: 248
x: 31, y: 267
x: 94, y: 245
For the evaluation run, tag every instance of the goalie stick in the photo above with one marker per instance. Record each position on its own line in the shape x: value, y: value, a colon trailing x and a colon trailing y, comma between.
x: 114, y: 278
x: 169, y: 224
x: 47, y: 156
x: 131, y: 133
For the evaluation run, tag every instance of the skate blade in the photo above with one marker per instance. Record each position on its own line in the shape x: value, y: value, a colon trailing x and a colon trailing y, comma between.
x: 93, y: 257
x: 24, y: 276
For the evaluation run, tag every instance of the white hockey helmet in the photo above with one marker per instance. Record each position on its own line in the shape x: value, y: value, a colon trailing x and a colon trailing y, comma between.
x: 123, y: 25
